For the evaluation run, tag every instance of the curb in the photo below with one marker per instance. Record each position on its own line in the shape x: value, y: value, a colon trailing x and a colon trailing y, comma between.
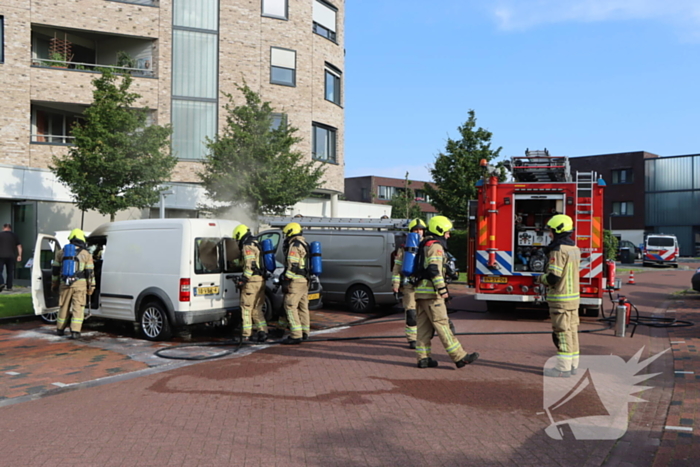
x: 18, y: 319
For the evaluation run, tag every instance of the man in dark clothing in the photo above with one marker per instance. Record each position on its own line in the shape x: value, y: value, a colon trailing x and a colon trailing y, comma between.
x: 10, y: 254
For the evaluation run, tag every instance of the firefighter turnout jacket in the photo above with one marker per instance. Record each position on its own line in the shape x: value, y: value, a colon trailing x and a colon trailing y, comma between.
x: 561, y: 278
x: 85, y: 269
x: 432, y: 284
x: 297, y: 267
x: 252, y: 261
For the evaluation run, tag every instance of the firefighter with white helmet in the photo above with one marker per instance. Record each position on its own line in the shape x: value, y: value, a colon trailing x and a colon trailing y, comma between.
x: 295, y: 283
x: 431, y: 292
x: 408, y: 300
x: 561, y: 278
x: 252, y: 285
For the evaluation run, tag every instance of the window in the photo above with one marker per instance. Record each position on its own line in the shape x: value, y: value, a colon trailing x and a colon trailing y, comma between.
x: 283, y: 66
x: 324, y: 19
x: 622, y: 176
x: 206, y: 256
x: 422, y: 197
x: 333, y: 84
x: 387, y: 192
x: 2, y: 39
x: 364, y: 194
x: 323, y: 143
x: 278, y: 120
x: 623, y: 208
x: 275, y: 9
x: 52, y: 126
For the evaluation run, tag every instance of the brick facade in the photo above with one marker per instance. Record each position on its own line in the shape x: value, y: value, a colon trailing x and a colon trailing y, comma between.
x: 245, y: 38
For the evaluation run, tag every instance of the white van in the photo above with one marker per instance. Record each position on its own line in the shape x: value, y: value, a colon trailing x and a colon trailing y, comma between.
x: 660, y: 249
x: 160, y: 273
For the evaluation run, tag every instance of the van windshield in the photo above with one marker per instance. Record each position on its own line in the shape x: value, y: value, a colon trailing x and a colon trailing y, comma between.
x: 661, y: 241
x: 206, y: 256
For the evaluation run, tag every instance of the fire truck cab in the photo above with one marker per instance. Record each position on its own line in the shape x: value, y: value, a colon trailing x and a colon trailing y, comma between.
x: 506, y: 250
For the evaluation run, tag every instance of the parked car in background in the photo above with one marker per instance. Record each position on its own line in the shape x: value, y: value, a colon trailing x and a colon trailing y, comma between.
x: 632, y: 247
x: 661, y: 249
x: 695, y: 281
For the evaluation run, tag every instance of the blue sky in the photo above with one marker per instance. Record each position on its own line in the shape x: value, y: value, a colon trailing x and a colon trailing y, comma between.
x: 579, y: 77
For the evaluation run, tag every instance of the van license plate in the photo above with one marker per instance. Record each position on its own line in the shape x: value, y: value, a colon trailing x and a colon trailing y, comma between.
x: 206, y: 290
x: 495, y: 279
x: 314, y: 296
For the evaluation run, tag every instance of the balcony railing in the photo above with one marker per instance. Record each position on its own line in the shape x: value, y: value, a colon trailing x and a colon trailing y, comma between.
x: 52, y: 139
x: 139, y: 2
x: 45, y: 62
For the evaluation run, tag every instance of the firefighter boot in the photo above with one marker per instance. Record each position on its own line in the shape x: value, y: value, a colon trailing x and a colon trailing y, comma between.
x: 261, y: 336
x: 427, y: 363
x: 304, y: 337
x: 469, y: 358
x: 289, y: 340
x: 60, y: 332
x: 554, y: 373
x: 74, y: 335
x: 411, y: 344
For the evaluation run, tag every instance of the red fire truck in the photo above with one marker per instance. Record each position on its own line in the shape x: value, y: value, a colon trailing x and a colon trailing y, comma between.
x: 507, y: 236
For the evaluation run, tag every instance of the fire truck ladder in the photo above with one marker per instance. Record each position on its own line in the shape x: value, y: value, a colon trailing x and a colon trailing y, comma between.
x: 336, y: 222
x: 584, y: 222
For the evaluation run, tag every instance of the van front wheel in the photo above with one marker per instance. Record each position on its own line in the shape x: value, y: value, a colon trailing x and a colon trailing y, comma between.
x: 359, y: 299
x: 154, y: 322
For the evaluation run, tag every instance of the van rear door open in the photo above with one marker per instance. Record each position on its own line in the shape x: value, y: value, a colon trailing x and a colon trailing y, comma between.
x: 43, y: 299
x: 205, y: 284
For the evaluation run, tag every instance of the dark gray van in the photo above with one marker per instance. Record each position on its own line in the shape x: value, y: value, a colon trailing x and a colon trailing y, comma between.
x: 357, y: 263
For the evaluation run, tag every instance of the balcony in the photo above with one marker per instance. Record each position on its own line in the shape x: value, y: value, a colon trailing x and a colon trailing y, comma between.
x: 91, y: 51
x: 52, y: 122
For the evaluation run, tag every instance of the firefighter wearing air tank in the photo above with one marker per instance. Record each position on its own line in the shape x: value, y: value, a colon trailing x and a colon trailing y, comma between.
x: 252, y: 285
x: 399, y: 282
x: 431, y: 292
x: 295, y: 284
x: 561, y: 279
x: 73, y: 269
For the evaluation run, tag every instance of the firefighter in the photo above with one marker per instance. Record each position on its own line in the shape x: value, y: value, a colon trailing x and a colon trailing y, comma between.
x: 73, y: 287
x: 252, y: 285
x: 295, y: 284
x: 561, y: 279
x: 431, y: 292
x: 400, y: 283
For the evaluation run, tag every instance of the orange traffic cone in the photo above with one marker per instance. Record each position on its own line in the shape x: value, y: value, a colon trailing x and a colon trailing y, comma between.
x: 631, y: 281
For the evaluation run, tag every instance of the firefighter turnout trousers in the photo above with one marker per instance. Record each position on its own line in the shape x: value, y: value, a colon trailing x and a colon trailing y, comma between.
x: 296, y: 304
x: 432, y: 315
x: 409, y: 305
x: 565, y: 336
x: 252, y: 301
x: 72, y: 300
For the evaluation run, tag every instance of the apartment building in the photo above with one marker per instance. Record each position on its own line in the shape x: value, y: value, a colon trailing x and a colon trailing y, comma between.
x: 184, y: 55
x: 380, y: 190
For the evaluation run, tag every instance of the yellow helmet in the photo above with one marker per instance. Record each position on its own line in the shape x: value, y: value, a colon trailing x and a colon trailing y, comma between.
x: 291, y: 229
x: 416, y: 223
x: 439, y: 225
x: 76, y: 233
x: 560, y: 223
x: 240, y: 231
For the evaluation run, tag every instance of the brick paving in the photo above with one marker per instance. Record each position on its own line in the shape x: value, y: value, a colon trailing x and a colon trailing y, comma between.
x: 347, y: 403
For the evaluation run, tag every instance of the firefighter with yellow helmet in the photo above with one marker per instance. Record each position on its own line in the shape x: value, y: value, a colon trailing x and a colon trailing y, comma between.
x: 399, y: 283
x: 561, y: 279
x: 431, y: 292
x: 295, y: 283
x: 72, y: 268
x: 252, y: 285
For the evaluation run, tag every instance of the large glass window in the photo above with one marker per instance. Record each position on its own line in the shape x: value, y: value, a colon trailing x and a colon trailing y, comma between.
x: 622, y: 176
x: 324, y: 138
x: 623, y: 208
x: 332, y: 84
x: 2, y: 39
x: 194, y: 75
x: 324, y: 19
x: 275, y: 9
x: 283, y: 66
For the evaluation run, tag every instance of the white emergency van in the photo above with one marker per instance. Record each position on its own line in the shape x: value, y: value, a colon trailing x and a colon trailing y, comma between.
x: 660, y: 249
x: 160, y: 273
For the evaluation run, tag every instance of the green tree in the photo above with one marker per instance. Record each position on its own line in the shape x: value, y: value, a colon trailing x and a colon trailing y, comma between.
x: 253, y: 164
x: 117, y: 161
x: 403, y: 203
x: 457, y: 170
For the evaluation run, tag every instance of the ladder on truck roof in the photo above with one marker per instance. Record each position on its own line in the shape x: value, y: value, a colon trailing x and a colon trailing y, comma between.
x: 539, y: 166
x: 336, y: 222
x: 583, y: 227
